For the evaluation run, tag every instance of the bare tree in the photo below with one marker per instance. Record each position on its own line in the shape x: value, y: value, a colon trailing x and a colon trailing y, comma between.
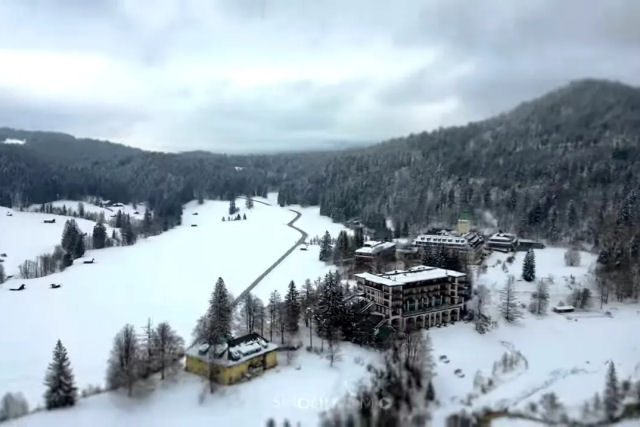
x: 509, y: 304
x: 168, y: 347
x: 124, y: 364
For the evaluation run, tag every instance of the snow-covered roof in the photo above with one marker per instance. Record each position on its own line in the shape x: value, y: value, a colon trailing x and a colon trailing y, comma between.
x: 373, y: 247
x: 502, y: 238
x: 446, y: 238
x: 233, y: 351
x: 419, y: 273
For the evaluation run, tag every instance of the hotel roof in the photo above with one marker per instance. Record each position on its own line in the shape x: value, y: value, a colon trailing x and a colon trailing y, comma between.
x: 420, y: 273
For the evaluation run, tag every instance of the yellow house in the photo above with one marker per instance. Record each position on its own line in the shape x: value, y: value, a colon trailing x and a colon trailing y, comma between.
x: 237, y: 359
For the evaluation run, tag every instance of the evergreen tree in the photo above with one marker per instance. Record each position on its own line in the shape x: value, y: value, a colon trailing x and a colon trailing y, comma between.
x: 529, y: 266
x: 244, y: 216
x: 146, y: 221
x: 168, y: 347
x: 119, y: 219
x: 99, y: 236
x: 612, y: 398
x: 124, y: 366
x: 358, y: 237
x: 330, y: 313
x: 341, y: 250
x: 572, y: 215
x: 508, y: 303
x: 219, y: 314
x: 127, y: 232
x: 325, y: 247
x: 232, y: 206
x: 78, y: 248
x: 292, y: 309
x: 70, y: 236
x: 431, y: 394
x: 61, y: 390
x: 405, y: 229
x: 249, y: 203
x: 3, y: 276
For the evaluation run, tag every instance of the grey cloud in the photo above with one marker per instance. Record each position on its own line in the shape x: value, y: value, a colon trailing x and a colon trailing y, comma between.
x: 487, y: 56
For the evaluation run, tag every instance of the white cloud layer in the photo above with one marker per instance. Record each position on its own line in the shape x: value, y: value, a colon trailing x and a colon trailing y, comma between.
x: 269, y: 75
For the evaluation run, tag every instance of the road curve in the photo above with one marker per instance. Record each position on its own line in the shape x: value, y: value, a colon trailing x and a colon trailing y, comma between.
x: 265, y: 273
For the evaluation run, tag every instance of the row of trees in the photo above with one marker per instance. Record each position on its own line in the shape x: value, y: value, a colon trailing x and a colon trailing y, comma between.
x: 134, y: 357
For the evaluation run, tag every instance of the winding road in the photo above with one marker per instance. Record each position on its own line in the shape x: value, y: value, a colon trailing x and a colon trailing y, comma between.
x: 303, y: 237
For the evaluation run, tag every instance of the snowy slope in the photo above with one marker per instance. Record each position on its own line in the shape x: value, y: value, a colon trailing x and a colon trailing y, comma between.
x: 300, y: 265
x: 166, y: 277
x: 24, y: 235
x: 297, y: 392
x: 566, y: 354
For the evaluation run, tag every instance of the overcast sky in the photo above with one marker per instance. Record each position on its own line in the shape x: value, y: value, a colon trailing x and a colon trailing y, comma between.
x: 270, y: 75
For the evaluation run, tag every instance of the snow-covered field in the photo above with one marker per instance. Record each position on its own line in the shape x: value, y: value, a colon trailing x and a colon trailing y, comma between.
x: 300, y: 265
x: 170, y: 277
x: 166, y: 277
x: 566, y: 354
x: 24, y: 235
x: 296, y: 392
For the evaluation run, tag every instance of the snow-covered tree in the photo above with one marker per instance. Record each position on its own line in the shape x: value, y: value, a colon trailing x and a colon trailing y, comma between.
x: 552, y: 409
x: 612, y: 397
x: 124, y: 364
x: 572, y: 258
x: 540, y: 299
x: 274, y: 312
x: 249, y: 203
x: 325, y: 247
x: 330, y: 313
x: 168, y: 347
x: 3, y: 276
x: 147, y: 351
x: 219, y: 314
x: 61, y: 390
x: 72, y: 239
x: 232, y: 207
x: 99, y: 236
x: 248, y: 312
x: 292, y: 309
x: 341, y: 249
x: 508, y: 303
x: 529, y: 266
x: 147, y: 221
x: 13, y: 405
x: 128, y: 234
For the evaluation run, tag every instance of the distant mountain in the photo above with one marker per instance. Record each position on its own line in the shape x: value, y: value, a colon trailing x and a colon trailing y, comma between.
x: 575, y: 149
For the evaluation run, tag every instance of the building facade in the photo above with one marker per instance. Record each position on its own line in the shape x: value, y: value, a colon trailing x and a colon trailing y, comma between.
x: 373, y: 250
x: 467, y: 247
x: 503, y: 242
x: 236, y: 360
x: 420, y: 297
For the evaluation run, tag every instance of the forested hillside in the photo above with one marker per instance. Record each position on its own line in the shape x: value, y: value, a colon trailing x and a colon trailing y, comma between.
x: 561, y: 167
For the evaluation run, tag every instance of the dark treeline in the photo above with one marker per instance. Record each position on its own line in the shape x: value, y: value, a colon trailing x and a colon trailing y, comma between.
x: 51, y: 166
x: 561, y: 167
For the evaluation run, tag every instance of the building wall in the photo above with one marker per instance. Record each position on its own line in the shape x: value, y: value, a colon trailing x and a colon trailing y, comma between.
x: 196, y: 366
x: 230, y: 374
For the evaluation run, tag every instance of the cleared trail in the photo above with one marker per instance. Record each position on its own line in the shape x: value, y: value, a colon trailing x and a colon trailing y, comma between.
x: 303, y: 237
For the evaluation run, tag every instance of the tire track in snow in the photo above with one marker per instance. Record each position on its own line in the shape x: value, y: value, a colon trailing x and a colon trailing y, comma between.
x: 265, y: 273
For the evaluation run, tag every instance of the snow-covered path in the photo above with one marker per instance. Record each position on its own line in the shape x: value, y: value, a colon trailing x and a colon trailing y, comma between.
x: 265, y: 273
